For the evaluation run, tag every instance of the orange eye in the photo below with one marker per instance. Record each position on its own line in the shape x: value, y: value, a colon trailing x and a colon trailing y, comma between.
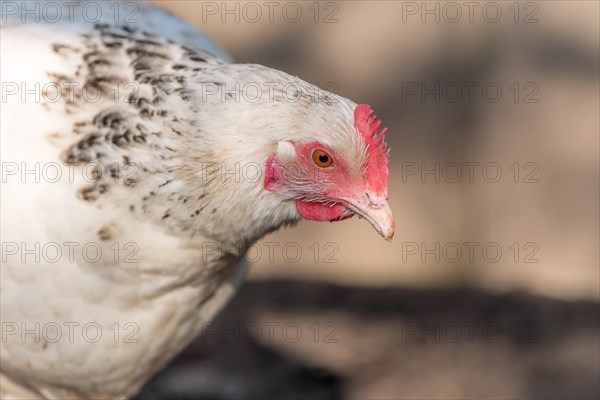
x: 322, y: 159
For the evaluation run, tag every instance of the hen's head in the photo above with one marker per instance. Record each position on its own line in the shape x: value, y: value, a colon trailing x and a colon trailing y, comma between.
x: 338, y: 170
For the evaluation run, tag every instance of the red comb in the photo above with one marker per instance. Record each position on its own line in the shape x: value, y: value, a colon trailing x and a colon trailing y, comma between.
x: 377, y: 156
x: 367, y: 125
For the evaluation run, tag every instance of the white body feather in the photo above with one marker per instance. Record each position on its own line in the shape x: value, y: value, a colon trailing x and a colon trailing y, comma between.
x: 147, y: 309
x: 39, y: 295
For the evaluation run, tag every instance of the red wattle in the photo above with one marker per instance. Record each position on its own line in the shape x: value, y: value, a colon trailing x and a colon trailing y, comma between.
x: 318, y: 211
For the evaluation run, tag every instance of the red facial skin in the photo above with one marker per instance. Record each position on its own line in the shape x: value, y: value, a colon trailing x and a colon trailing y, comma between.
x: 325, y: 181
x: 273, y: 173
x: 336, y: 176
x: 334, y: 181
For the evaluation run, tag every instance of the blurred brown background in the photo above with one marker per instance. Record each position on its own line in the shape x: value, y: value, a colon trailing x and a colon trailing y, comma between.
x: 407, y: 59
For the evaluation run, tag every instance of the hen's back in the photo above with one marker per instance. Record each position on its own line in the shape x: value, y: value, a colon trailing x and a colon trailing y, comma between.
x: 77, y: 326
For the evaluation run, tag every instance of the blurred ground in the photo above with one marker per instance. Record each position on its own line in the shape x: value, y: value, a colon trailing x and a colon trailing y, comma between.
x: 274, y: 342
x: 540, y: 133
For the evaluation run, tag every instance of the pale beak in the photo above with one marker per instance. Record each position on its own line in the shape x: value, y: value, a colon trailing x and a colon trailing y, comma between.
x: 379, y: 214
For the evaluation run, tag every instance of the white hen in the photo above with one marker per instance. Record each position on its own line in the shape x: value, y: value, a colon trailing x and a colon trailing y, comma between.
x: 138, y: 165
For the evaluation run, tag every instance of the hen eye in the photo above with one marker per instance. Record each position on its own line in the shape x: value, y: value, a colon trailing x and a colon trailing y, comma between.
x: 322, y: 159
